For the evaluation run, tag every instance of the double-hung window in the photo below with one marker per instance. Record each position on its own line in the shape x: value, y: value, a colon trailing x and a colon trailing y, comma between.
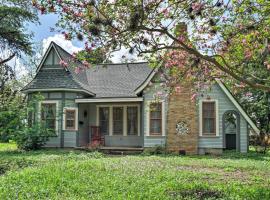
x: 208, y: 118
x: 48, y: 116
x: 156, y: 118
x: 70, y: 119
x: 118, y: 120
x: 132, y: 120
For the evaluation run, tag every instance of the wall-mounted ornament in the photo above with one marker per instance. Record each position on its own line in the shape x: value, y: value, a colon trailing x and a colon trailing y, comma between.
x: 182, y: 128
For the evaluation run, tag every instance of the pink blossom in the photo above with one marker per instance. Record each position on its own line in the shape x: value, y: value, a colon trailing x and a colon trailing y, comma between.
x: 178, y: 89
x: 159, y: 93
x: 77, y: 70
x: 248, y: 54
x: 86, y: 64
x: 166, y: 12
x: 63, y: 63
x: 248, y: 94
x: 193, y: 97
x: 197, y: 6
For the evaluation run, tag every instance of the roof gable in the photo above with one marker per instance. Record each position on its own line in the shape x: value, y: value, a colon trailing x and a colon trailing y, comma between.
x: 51, y: 58
x: 237, y: 105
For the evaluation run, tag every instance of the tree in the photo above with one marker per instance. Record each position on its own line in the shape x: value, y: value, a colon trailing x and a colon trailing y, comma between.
x: 93, y: 56
x: 223, y: 37
x: 13, y: 37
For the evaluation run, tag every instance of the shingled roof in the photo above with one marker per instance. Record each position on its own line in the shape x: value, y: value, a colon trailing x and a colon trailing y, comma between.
x: 100, y: 81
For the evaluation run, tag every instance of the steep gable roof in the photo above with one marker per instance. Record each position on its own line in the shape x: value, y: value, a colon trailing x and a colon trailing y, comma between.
x: 101, y: 81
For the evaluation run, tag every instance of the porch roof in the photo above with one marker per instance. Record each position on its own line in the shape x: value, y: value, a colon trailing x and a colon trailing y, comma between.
x: 109, y: 100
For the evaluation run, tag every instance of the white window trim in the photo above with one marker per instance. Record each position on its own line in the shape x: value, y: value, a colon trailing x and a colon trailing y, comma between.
x: 201, y: 118
x: 57, y: 110
x: 163, y: 120
x: 110, y: 106
x: 64, y: 118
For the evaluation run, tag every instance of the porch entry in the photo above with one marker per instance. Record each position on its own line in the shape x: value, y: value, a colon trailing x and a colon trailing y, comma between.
x: 114, y: 125
x: 231, y: 130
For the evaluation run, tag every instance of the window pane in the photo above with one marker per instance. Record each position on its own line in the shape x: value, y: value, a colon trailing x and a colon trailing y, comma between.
x: 118, y: 120
x: 209, y: 109
x: 70, y: 124
x: 132, y: 120
x: 70, y: 114
x: 209, y: 125
x: 155, y: 126
x: 155, y: 111
x: 104, y: 120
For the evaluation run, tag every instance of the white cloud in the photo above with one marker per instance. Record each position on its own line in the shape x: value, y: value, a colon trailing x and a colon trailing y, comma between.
x: 62, y: 42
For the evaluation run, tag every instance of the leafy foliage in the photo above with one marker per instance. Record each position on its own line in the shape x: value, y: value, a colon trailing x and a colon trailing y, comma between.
x: 12, y: 112
x: 32, y: 137
x: 13, y: 37
x: 223, y: 36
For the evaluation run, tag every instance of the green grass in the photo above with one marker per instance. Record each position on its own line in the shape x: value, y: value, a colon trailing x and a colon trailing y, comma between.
x: 68, y: 174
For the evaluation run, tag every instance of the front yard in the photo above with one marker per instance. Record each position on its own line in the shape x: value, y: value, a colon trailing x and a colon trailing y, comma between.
x: 68, y: 174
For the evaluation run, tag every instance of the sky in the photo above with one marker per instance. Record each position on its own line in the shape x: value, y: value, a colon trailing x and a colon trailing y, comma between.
x: 43, y: 36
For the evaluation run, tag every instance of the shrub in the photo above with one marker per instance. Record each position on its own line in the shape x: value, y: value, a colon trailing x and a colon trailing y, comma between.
x: 32, y: 138
x: 156, y: 150
x: 261, y: 142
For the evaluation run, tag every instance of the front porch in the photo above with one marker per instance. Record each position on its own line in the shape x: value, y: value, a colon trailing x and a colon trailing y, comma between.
x: 110, y: 123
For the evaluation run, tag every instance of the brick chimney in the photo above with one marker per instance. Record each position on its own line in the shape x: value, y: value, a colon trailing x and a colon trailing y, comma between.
x: 182, y: 110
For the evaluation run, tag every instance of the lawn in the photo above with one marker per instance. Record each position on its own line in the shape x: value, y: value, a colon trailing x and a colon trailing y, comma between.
x: 69, y: 174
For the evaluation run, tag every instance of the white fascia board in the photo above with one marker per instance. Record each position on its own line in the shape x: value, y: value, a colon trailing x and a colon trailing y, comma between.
x: 108, y: 100
x: 236, y: 104
x: 58, y: 89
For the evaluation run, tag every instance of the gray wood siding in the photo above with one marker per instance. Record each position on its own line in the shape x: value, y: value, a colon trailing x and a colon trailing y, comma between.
x: 224, y: 104
x: 151, y: 141
x: 69, y: 137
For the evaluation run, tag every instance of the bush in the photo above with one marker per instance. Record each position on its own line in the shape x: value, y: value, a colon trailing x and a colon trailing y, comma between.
x: 32, y: 138
x: 156, y: 150
x: 260, y: 142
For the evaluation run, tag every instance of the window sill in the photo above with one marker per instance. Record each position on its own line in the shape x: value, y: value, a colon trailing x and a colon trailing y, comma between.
x: 70, y: 130
x: 209, y: 136
x: 155, y: 136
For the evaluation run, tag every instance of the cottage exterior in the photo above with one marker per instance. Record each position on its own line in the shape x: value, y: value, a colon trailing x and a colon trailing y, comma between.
x: 117, y: 101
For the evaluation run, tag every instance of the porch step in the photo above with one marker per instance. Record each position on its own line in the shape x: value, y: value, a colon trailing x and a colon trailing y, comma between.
x: 121, y: 150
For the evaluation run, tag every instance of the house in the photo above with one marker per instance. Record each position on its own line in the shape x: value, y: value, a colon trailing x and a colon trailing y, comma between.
x: 116, y: 102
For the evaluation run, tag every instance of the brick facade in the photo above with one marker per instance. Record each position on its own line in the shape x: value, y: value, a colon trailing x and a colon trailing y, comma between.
x: 181, y: 108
